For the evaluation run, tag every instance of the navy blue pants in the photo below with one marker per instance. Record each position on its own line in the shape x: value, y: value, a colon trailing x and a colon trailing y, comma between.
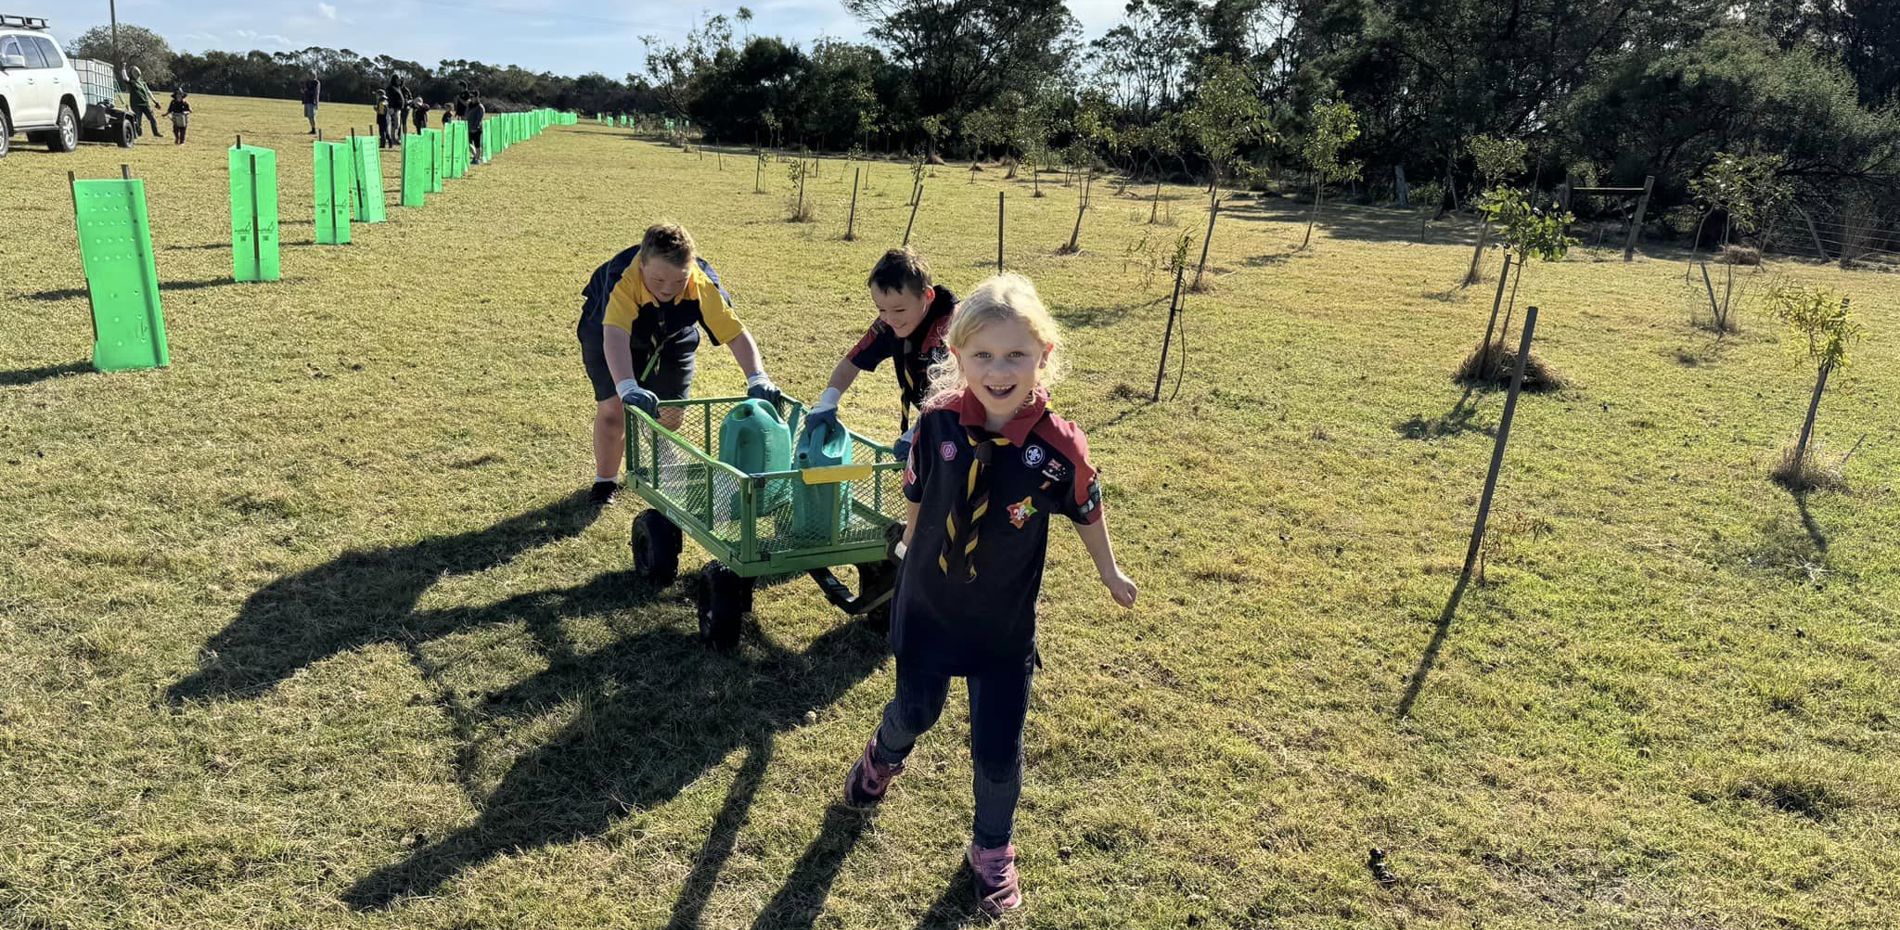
x: 998, y: 705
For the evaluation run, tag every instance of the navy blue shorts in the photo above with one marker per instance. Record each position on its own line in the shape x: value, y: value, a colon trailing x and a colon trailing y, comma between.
x: 670, y: 379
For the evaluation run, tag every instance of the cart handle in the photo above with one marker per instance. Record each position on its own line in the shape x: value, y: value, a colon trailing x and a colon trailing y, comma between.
x: 834, y: 474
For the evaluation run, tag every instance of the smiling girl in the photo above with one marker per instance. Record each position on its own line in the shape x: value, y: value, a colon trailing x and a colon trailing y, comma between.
x: 990, y: 463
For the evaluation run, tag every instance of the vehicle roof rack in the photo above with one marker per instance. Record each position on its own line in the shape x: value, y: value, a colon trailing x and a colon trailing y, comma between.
x: 24, y: 22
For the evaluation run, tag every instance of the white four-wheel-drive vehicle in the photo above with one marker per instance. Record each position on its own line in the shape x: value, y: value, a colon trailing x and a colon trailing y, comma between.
x: 43, y: 95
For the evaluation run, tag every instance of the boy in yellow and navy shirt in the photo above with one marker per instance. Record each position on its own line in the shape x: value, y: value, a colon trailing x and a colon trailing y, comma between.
x: 639, y: 330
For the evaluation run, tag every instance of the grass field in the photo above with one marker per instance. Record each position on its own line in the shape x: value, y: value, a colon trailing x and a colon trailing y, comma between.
x: 313, y: 630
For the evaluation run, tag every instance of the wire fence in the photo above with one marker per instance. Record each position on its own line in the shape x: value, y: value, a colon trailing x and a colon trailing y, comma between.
x: 1855, y: 236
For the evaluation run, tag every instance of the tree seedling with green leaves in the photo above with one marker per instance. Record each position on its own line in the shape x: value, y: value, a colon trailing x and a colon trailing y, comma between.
x: 1496, y: 159
x: 795, y: 174
x: 1226, y: 117
x: 1427, y: 199
x: 1824, y: 331
x: 1333, y: 127
x: 1745, y: 189
x: 1526, y: 231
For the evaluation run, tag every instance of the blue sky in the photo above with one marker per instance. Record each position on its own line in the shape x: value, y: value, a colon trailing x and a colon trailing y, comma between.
x: 562, y: 36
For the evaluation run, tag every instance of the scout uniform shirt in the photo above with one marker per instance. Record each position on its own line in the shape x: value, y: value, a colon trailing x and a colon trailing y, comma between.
x: 966, y: 599
x: 616, y: 295
x: 914, y: 354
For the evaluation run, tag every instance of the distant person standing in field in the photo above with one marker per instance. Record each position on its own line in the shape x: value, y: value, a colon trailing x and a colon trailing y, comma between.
x: 472, y: 113
x: 396, y: 107
x: 312, y: 92
x: 180, y: 113
x: 382, y: 118
x: 422, y: 114
x: 141, y: 99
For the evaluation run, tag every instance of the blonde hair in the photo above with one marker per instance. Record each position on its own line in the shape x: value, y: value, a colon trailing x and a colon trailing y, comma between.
x: 669, y: 242
x: 999, y: 298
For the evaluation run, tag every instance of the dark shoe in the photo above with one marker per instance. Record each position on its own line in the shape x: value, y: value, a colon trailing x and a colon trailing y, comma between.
x: 603, y: 493
x: 868, y: 779
x: 997, y: 887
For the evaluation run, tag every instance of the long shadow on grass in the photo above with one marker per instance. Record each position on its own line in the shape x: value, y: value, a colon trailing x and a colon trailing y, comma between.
x: 1815, y: 533
x: 956, y: 907
x: 802, y: 898
x: 658, y: 711
x: 363, y: 596
x: 24, y: 376
x: 1453, y: 422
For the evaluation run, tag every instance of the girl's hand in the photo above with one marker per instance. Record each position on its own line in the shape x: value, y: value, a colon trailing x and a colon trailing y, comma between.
x: 1120, y: 586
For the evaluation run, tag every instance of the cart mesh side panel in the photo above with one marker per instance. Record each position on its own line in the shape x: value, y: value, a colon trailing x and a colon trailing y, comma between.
x: 701, y: 492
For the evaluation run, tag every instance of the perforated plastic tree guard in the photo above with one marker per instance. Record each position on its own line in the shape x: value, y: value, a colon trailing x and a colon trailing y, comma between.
x: 115, y: 247
x: 367, y: 205
x: 433, y: 137
x: 458, y: 149
x: 415, y: 170
x: 334, y: 190
x: 253, y: 213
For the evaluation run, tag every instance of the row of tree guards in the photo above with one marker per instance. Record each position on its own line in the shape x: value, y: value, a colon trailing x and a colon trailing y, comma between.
x: 115, y: 236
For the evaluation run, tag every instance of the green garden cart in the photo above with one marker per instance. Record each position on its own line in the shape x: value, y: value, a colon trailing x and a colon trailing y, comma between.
x: 809, y: 520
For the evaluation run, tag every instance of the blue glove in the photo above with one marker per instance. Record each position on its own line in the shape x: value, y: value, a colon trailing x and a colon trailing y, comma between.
x: 822, y: 418
x: 637, y: 397
x: 901, y: 448
x: 760, y: 387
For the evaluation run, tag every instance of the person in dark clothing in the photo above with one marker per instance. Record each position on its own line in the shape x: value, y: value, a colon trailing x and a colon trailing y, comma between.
x: 990, y: 468
x: 396, y: 100
x: 180, y: 113
x: 141, y: 100
x: 472, y: 112
x: 912, y: 315
x: 312, y: 92
x: 421, y: 108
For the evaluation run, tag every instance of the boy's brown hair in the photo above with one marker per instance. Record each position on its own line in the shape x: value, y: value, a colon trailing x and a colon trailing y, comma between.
x: 669, y: 242
x: 900, y: 270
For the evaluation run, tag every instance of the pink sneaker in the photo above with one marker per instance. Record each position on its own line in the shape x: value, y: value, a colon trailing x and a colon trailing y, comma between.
x: 868, y: 779
x: 997, y: 887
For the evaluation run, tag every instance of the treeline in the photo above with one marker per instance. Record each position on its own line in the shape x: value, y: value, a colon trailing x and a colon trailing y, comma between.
x: 1602, y: 91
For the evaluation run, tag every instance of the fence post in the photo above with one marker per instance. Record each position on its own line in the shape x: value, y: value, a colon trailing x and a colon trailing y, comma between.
x: 1636, y: 222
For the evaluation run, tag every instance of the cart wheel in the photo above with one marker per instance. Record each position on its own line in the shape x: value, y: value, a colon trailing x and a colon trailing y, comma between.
x: 723, y: 598
x: 874, y: 578
x: 125, y: 132
x: 656, y: 547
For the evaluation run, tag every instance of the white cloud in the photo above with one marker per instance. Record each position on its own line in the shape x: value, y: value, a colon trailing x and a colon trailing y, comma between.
x: 247, y: 35
x: 327, y: 11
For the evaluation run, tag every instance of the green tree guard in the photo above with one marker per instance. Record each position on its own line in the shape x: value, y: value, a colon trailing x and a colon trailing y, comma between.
x: 434, y: 166
x: 253, y: 213
x: 415, y: 170
x: 458, y: 148
x: 115, y: 248
x: 369, y: 205
x: 334, y: 185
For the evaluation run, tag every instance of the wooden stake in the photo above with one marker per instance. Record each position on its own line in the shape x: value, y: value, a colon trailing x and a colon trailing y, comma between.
x: 1213, y: 211
x: 851, y: 225
x: 1167, y: 338
x: 1636, y: 222
x: 914, y: 204
x: 1484, y: 364
x: 999, y: 232
x: 1484, y: 512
